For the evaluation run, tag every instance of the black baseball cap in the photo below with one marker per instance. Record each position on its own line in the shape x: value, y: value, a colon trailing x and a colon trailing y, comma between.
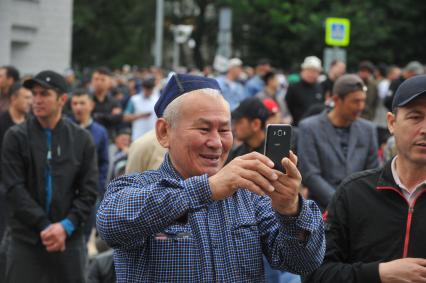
x: 409, y: 90
x: 251, y: 108
x: 49, y: 80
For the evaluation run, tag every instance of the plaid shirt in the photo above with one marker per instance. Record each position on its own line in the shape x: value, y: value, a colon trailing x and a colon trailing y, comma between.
x: 167, y: 229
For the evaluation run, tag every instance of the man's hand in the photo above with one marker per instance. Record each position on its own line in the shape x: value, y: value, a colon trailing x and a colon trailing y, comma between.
x: 53, y: 237
x: 285, y: 198
x: 403, y: 270
x: 251, y: 171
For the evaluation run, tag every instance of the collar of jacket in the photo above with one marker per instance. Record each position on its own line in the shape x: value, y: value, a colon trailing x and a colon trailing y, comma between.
x: 386, y: 179
x: 58, y: 126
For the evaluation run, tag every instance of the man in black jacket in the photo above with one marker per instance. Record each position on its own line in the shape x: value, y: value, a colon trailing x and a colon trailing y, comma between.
x: 50, y: 174
x: 375, y: 224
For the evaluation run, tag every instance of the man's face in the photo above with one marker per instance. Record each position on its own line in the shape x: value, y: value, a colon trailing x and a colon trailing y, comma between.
x: 3, y: 79
x: 351, y: 106
x: 201, y: 139
x: 310, y: 75
x: 273, y: 83
x: 82, y: 107
x: 100, y: 82
x: 409, y: 129
x: 338, y: 69
x: 243, y: 129
x: 236, y: 71
x: 46, y: 102
x: 264, y: 68
x: 23, y: 100
x: 122, y: 141
x: 364, y: 74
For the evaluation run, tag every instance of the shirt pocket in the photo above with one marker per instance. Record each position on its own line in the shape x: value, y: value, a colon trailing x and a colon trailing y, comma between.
x: 173, y: 255
x: 248, y: 249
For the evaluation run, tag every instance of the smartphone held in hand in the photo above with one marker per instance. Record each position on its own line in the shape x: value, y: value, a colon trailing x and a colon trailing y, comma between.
x: 277, y: 143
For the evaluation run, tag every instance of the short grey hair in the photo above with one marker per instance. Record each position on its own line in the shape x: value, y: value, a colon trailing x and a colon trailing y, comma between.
x: 172, y: 111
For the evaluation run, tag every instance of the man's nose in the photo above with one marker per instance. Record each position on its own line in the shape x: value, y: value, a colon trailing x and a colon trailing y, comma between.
x: 214, y: 140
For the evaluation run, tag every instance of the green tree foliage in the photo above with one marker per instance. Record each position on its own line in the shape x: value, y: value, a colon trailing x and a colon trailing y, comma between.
x: 118, y: 32
x: 287, y: 31
x: 113, y: 33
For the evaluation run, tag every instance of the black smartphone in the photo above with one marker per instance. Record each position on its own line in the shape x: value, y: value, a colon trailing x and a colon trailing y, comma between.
x: 277, y: 143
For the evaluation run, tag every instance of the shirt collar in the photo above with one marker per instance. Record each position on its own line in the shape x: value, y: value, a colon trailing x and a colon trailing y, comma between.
x: 399, y: 183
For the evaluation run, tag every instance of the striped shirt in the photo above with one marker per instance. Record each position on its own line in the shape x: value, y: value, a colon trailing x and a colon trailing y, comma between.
x: 167, y: 229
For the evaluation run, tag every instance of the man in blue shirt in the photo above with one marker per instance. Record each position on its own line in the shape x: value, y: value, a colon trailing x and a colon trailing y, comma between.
x: 195, y: 220
x: 82, y: 105
x: 232, y: 89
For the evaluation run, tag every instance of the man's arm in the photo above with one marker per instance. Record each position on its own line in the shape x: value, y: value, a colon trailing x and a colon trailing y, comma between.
x: 311, y: 167
x: 86, y: 183
x: 292, y: 239
x: 136, y: 206
x: 373, y: 147
x: 103, y: 160
x: 14, y: 175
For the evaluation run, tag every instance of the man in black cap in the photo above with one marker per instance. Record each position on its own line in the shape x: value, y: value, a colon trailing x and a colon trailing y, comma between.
x: 191, y: 220
x: 334, y: 144
x: 50, y: 173
x: 375, y: 224
x: 249, y: 126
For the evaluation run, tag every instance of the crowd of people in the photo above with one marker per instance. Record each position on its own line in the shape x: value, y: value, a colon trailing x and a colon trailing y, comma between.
x: 170, y: 167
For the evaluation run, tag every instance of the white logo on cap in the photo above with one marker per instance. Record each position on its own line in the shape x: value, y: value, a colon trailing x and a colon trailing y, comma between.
x: 48, y: 79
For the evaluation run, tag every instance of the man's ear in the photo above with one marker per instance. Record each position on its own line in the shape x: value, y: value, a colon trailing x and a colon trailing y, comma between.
x: 63, y: 99
x: 336, y: 99
x: 390, y: 117
x: 256, y: 124
x: 162, y: 130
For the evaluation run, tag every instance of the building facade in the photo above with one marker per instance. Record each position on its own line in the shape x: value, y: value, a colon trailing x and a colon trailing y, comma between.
x: 36, y: 34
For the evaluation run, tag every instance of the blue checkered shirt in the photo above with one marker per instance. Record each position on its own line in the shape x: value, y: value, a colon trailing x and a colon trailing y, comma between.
x: 167, y: 229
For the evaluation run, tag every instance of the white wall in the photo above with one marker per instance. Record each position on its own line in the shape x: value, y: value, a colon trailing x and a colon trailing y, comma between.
x: 36, y: 34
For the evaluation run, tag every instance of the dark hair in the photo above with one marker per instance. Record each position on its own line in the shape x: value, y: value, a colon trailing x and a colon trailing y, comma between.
x: 335, y: 62
x: 366, y: 66
x: 81, y: 92
x: 268, y: 76
x: 263, y: 61
x: 103, y: 71
x: 11, y: 72
x: 383, y: 69
x: 14, y: 89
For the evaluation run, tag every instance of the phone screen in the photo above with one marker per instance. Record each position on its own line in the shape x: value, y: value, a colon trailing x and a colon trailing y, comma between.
x: 277, y: 143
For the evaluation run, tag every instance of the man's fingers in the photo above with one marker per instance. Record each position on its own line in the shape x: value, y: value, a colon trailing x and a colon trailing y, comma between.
x: 293, y: 157
x: 419, y: 261
x: 252, y: 187
x: 259, y: 167
x: 257, y: 179
x: 257, y: 156
x: 290, y: 168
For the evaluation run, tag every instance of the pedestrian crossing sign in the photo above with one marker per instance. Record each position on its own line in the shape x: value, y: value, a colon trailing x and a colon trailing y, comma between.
x: 337, y: 31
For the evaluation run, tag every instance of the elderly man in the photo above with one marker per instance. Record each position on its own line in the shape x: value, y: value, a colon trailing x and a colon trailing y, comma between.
x: 335, y: 144
x: 376, y: 226
x: 301, y: 96
x: 193, y: 220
